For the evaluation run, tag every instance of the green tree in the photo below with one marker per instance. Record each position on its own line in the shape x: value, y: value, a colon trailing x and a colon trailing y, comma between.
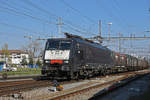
x: 39, y: 63
x: 31, y: 61
x: 24, y: 61
x: 5, y: 53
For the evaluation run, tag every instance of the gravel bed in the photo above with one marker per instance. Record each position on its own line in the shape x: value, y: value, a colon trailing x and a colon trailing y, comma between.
x: 35, y: 94
x: 41, y: 93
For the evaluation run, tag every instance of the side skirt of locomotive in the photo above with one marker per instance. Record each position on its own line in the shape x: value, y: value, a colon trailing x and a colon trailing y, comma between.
x: 88, y: 71
x: 95, y: 70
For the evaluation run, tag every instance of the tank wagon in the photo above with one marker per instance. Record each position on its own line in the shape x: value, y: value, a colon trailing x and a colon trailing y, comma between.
x: 75, y: 57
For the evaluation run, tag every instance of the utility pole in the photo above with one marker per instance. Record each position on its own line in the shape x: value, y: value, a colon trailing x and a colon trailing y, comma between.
x: 109, y: 29
x: 28, y: 37
x: 131, y: 46
x: 59, y: 26
x: 119, y: 45
x: 100, y: 33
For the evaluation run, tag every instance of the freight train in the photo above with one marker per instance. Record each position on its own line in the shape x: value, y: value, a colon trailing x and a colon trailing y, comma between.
x: 75, y: 57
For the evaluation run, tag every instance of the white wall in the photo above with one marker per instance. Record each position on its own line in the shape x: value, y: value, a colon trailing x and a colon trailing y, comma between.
x: 16, y: 58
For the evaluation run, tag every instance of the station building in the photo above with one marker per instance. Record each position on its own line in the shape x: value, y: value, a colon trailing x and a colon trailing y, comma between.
x: 14, y: 56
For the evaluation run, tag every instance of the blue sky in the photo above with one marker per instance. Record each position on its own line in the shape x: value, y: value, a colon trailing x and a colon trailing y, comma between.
x: 38, y: 18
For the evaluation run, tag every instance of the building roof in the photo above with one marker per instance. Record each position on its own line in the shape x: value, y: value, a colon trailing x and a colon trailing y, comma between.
x: 15, y: 51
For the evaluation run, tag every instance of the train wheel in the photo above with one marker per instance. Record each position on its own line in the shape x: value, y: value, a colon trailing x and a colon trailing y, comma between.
x: 76, y: 76
x: 69, y: 78
x: 104, y: 73
x: 4, y: 76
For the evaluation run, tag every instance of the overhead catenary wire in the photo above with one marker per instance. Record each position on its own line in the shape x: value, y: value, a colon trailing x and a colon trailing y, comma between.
x: 25, y: 29
x: 15, y: 11
x: 36, y: 18
x: 111, y: 14
x: 78, y: 11
x: 27, y: 15
x: 20, y: 28
x: 9, y: 4
x: 116, y: 6
x: 49, y: 13
x: 75, y: 27
x: 76, y: 30
x: 39, y: 8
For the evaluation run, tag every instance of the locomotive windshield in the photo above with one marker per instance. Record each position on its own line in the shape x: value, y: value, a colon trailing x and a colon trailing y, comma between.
x: 58, y: 45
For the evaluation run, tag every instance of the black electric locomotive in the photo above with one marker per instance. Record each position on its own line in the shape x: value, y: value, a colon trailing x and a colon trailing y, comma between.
x: 75, y: 57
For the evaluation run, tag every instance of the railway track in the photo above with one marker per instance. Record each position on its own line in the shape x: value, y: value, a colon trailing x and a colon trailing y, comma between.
x: 9, y: 88
x: 10, y: 77
x: 77, y: 90
x: 70, y: 93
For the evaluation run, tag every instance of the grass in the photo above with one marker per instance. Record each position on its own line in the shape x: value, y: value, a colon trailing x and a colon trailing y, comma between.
x: 23, y: 71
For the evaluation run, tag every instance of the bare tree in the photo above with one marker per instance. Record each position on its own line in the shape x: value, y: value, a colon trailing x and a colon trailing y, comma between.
x: 6, y: 54
x: 33, y: 48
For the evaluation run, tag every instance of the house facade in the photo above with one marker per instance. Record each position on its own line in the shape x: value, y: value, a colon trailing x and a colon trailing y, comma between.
x: 14, y: 56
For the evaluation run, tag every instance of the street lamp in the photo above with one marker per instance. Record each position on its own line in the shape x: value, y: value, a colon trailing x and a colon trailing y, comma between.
x: 28, y: 37
x: 109, y: 30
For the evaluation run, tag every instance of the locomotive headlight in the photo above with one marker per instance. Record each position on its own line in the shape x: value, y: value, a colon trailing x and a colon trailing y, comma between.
x: 116, y: 57
x: 66, y: 61
x: 122, y: 58
x: 47, y: 61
